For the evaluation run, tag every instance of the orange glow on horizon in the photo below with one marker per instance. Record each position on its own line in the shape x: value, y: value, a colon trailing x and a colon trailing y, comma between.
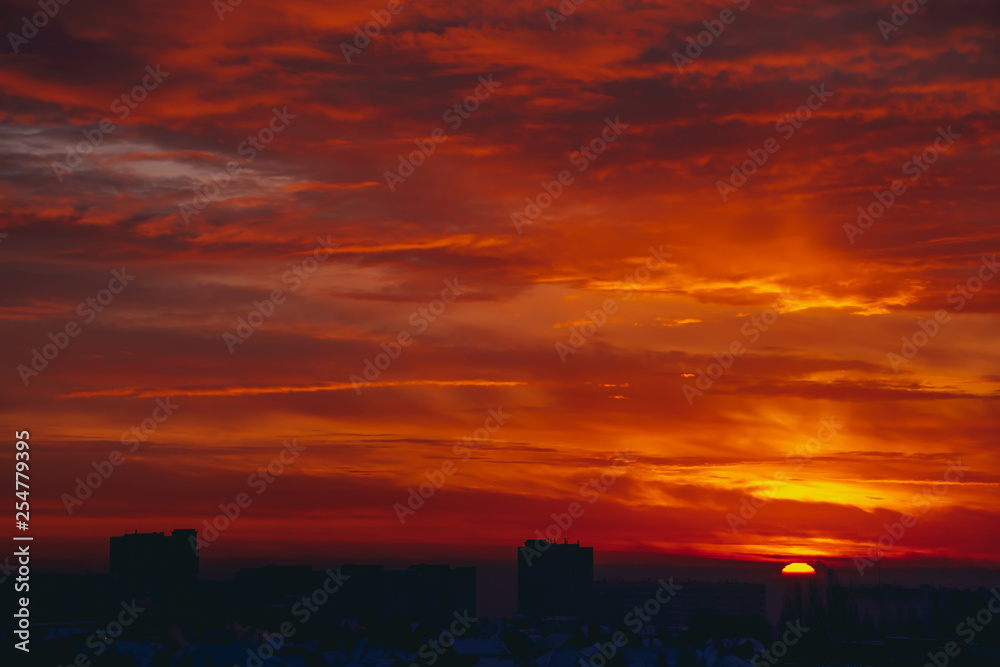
x: 790, y: 374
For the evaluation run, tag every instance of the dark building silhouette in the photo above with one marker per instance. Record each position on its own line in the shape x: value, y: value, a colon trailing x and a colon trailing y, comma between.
x: 155, y: 558
x: 370, y: 594
x: 276, y: 583
x: 554, y: 579
x: 434, y: 590
x: 694, y: 599
x: 426, y: 593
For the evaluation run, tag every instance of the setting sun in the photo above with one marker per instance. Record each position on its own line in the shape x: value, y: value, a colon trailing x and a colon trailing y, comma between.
x: 798, y: 569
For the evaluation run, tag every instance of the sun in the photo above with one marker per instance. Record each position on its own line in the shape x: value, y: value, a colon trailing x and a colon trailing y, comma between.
x: 798, y: 570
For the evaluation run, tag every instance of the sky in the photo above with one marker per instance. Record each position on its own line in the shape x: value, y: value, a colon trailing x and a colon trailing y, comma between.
x: 736, y: 257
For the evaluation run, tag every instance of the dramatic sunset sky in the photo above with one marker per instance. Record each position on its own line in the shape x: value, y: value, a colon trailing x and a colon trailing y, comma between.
x: 842, y: 300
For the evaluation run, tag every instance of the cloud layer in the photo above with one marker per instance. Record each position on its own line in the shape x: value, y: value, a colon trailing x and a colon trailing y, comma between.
x: 716, y: 220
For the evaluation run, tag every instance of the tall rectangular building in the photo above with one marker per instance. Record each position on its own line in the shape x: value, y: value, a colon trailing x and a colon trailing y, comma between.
x: 554, y: 579
x: 146, y: 558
